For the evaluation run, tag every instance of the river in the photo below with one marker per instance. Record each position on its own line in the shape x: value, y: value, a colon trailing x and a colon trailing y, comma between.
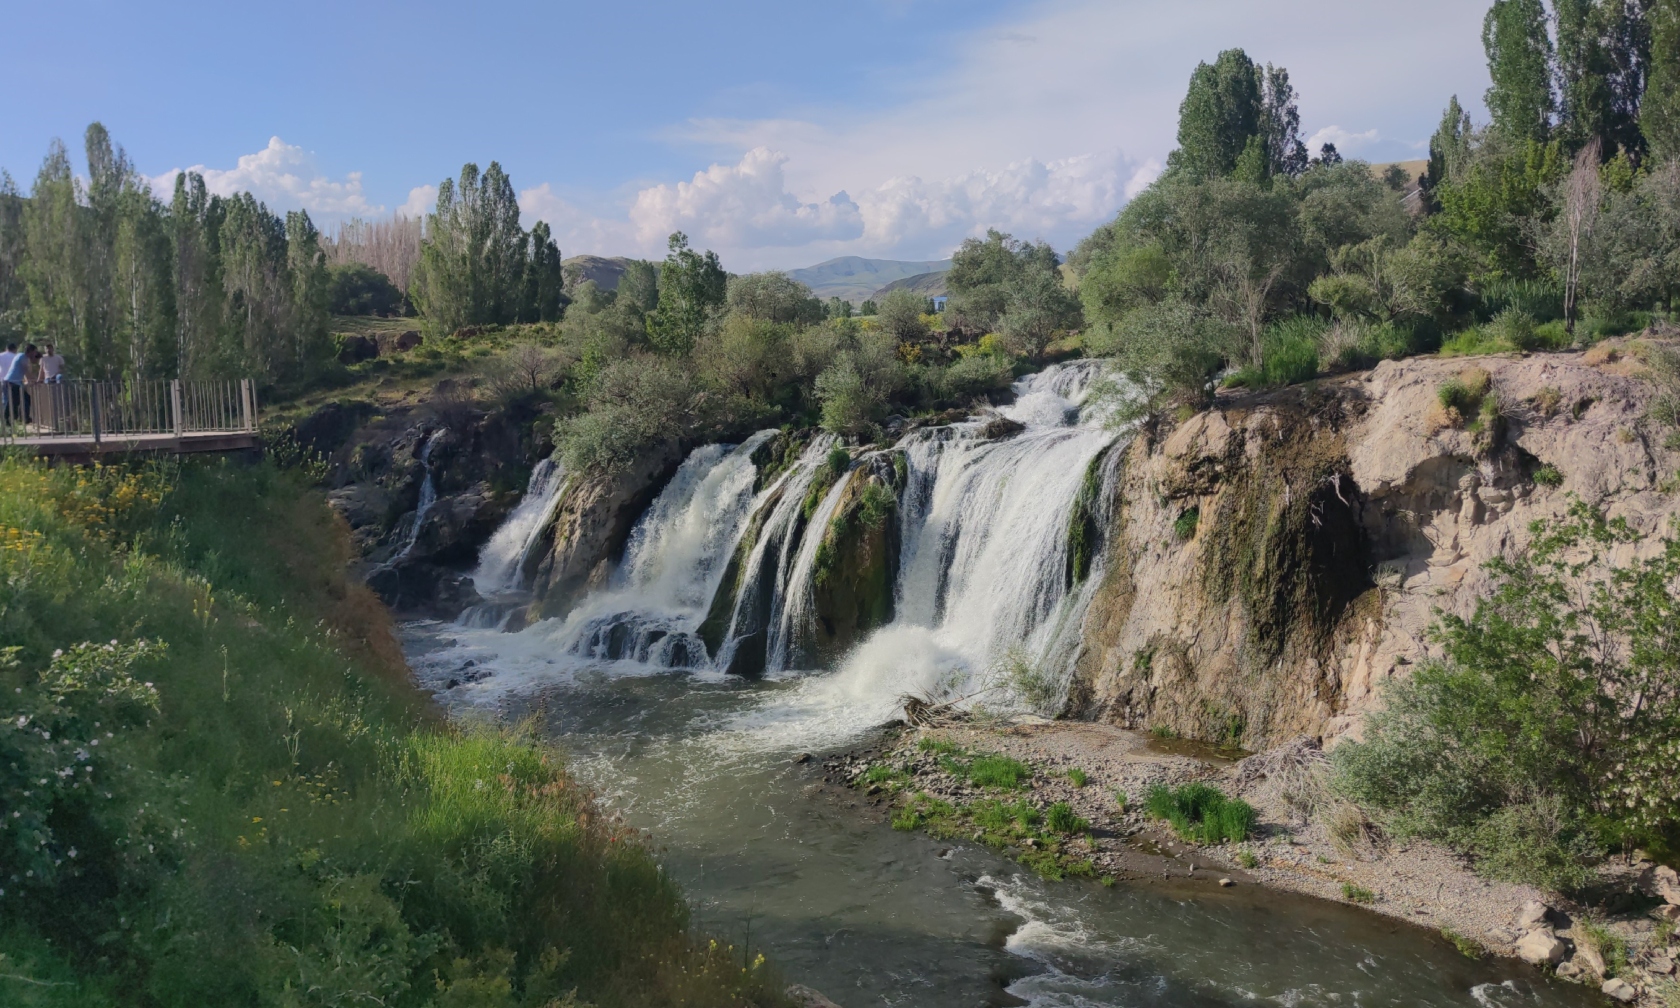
x: 776, y: 861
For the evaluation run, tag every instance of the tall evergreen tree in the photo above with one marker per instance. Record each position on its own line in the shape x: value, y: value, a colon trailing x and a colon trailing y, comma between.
x: 1519, y: 55
x: 1603, y: 51
x: 1222, y: 109
x: 1659, y: 116
x: 692, y: 286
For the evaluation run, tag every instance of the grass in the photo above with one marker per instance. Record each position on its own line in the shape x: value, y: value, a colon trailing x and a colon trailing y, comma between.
x: 284, y: 812
x: 988, y: 770
x: 1060, y: 818
x: 1184, y: 526
x: 1078, y: 778
x: 1469, y: 947
x: 1037, y: 839
x: 1357, y: 894
x: 1609, y: 946
x: 1163, y: 732
x: 1548, y: 476
x: 929, y: 744
x: 1199, y: 813
x: 1247, y: 858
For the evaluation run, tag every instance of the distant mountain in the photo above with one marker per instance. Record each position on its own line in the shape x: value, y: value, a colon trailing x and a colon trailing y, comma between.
x: 605, y: 272
x: 935, y: 284
x: 855, y: 279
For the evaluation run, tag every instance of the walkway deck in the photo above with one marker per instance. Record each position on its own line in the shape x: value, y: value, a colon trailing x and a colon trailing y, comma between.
x: 81, y: 420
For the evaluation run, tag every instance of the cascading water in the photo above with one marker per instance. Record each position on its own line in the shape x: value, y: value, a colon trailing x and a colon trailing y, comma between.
x: 428, y: 495
x: 673, y: 561
x: 501, y: 562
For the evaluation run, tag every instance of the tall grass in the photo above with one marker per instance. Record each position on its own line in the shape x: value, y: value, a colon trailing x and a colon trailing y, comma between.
x: 290, y: 824
x: 1201, y: 814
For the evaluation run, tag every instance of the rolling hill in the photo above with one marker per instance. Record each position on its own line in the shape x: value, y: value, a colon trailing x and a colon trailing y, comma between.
x: 856, y: 279
x: 934, y: 284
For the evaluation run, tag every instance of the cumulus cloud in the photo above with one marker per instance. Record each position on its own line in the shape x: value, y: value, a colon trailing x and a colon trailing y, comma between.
x: 286, y: 177
x: 422, y: 200
x: 1346, y: 142
x: 744, y: 205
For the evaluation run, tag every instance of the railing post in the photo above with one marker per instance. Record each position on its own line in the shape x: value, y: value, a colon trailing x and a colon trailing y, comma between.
x: 93, y: 398
x: 175, y: 404
x: 245, y: 409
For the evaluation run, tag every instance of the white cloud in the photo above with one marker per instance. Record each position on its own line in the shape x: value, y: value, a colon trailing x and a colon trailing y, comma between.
x: 744, y: 206
x: 422, y: 200
x: 285, y: 177
x: 1345, y: 141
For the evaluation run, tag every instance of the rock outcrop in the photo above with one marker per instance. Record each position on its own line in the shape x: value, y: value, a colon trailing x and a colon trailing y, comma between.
x: 1274, y: 560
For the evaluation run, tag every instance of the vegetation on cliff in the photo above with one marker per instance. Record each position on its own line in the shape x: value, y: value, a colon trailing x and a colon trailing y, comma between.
x: 1548, y: 733
x: 219, y: 789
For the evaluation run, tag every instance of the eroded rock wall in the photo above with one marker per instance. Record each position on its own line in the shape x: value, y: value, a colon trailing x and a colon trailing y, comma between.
x: 1274, y: 560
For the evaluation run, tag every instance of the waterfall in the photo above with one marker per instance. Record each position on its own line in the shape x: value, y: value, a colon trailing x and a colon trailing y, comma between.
x: 501, y: 562
x: 675, y: 558
x: 428, y: 495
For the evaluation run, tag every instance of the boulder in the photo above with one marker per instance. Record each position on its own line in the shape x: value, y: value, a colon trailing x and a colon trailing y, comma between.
x: 1532, y: 915
x: 1541, y: 948
x: 805, y: 997
x: 1670, y: 912
x: 1620, y: 990
x: 407, y: 340
x: 1662, y: 882
x: 1591, y: 959
x: 1000, y: 427
x: 355, y: 349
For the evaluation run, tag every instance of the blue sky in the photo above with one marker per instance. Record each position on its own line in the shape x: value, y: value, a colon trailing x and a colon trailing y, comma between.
x: 779, y: 134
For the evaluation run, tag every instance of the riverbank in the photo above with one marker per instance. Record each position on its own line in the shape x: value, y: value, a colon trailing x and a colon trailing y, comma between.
x: 1102, y: 774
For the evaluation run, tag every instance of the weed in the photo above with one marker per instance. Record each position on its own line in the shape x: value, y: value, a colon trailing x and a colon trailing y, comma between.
x: 1201, y: 814
x: 998, y: 772
x: 1357, y: 894
x: 1247, y: 858
x: 928, y: 743
x: 1184, y: 526
x: 880, y: 773
x: 1060, y: 818
x: 1466, y: 946
x: 1162, y: 731
x: 1078, y: 778
x: 1547, y: 399
x: 1121, y: 800
x: 1350, y: 832
x: 906, y: 818
x: 1548, y: 476
x: 1107, y: 881
x: 1609, y: 946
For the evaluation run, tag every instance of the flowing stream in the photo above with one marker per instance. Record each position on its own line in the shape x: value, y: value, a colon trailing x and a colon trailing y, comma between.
x: 775, y: 860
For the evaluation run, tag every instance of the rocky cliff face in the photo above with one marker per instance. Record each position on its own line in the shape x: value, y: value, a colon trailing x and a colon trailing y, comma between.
x: 1274, y: 560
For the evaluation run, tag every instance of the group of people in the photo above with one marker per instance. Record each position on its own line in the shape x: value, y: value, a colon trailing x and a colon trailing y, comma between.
x: 32, y: 365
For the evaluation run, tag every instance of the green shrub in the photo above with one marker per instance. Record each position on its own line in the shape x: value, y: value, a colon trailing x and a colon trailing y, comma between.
x: 1357, y: 894
x: 1060, y: 818
x: 1184, y: 526
x: 1078, y: 778
x: 928, y: 743
x: 880, y: 773
x: 1290, y: 356
x: 1517, y: 747
x: 1200, y: 813
x: 1247, y: 858
x: 1538, y: 299
x: 906, y: 818
x: 1548, y: 475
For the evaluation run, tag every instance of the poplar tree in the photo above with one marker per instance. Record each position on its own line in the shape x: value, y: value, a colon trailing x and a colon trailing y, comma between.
x: 1519, y: 55
x: 1659, y: 114
x: 193, y: 227
x: 1222, y: 109
x: 1603, y: 52
x: 472, y: 263
x: 544, y: 297
x: 1449, y: 149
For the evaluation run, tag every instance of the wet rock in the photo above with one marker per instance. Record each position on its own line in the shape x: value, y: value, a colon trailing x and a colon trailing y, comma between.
x: 1620, y: 990
x: 1541, y: 948
x: 1568, y: 970
x: 1226, y: 882
x: 999, y: 427
x: 803, y: 757
x: 805, y: 997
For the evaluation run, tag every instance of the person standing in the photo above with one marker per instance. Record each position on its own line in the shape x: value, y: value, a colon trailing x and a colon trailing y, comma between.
x: 49, y: 400
x: 6, y: 358
x: 52, y: 365
x: 17, y: 372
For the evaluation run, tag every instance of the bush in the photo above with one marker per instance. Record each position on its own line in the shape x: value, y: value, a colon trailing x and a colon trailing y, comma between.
x: 1357, y: 894
x: 1078, y: 778
x: 1060, y: 818
x: 1290, y: 350
x: 1184, y: 526
x: 1518, y: 747
x: 1200, y: 813
x: 1548, y: 475
x: 1538, y: 299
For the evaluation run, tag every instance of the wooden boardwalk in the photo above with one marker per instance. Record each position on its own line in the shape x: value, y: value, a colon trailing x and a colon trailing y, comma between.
x: 79, y: 421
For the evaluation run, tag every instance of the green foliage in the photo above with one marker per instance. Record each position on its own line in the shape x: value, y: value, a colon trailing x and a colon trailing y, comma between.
x: 1247, y: 858
x: 1517, y: 747
x: 773, y: 297
x: 998, y: 772
x: 1548, y: 476
x: 1517, y: 39
x: 900, y: 316
x: 1468, y: 947
x: 634, y: 405
x: 1200, y: 813
x: 1184, y: 526
x: 692, y: 287
x: 1357, y: 894
x: 265, y: 807
x: 944, y: 747
x: 1060, y: 818
x: 477, y: 265
x: 1610, y: 946
x: 858, y: 386
x: 1659, y: 113
x: 1078, y: 778
x: 359, y: 289
x: 1010, y: 286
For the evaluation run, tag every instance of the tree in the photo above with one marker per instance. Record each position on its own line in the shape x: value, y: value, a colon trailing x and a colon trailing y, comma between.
x: 692, y: 286
x: 1170, y: 350
x: 773, y: 297
x: 900, y: 316
x: 473, y: 261
x: 868, y: 308
x: 1286, y: 153
x: 1603, y: 51
x: 1659, y: 115
x: 543, y: 297
x: 640, y: 284
x: 1519, y: 54
x: 1221, y: 110
x: 1449, y: 150
x: 358, y: 289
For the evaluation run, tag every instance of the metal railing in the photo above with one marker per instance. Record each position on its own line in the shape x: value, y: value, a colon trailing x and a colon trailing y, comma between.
x: 122, y: 411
